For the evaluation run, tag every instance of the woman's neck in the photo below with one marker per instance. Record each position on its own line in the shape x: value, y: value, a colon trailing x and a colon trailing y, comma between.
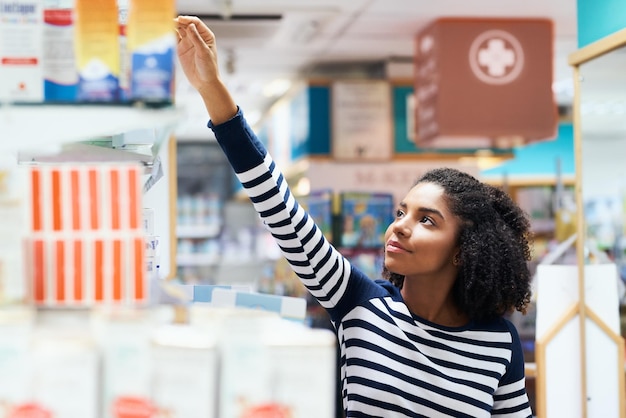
x: 433, y: 301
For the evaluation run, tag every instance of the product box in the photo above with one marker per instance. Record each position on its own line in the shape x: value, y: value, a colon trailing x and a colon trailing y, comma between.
x: 150, y: 46
x: 65, y: 377
x: 204, y: 293
x: 287, y: 307
x: 185, y: 372
x: 21, y: 27
x: 277, y: 368
x: 123, y: 338
x: 16, y: 330
x: 59, y: 60
x: 364, y: 218
x: 85, y: 243
x: 319, y: 204
x: 97, y: 50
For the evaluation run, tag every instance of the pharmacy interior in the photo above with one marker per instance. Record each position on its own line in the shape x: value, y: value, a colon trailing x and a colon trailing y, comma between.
x: 137, y: 281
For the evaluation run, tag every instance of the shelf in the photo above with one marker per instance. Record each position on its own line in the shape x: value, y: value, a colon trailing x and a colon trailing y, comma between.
x: 199, y: 259
x: 204, y: 259
x: 45, y: 128
x: 198, y: 231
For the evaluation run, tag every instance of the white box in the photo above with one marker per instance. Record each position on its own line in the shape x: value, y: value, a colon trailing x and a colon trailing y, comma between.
x: 16, y: 329
x: 286, y: 368
x: 123, y: 337
x: 65, y: 377
x: 185, y: 372
x: 268, y: 363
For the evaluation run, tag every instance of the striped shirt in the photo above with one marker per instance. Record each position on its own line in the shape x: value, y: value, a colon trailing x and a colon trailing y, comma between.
x: 393, y: 363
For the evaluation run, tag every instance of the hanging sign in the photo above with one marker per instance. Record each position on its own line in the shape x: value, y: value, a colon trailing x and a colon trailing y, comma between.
x: 484, y: 83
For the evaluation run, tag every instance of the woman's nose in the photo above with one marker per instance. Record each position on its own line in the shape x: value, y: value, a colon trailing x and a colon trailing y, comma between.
x: 402, y: 227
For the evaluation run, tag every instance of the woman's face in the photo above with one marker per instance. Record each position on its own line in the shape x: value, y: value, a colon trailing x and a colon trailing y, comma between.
x: 422, y: 239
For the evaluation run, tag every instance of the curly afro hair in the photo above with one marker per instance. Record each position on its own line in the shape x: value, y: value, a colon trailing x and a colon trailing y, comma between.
x: 495, y: 246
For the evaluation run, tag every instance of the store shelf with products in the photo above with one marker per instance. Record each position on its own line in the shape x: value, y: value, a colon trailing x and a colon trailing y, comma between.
x: 240, y: 253
x: 88, y: 363
x: 133, y: 356
x: 93, y: 320
x: 198, y: 259
x: 198, y: 231
x: 205, y: 184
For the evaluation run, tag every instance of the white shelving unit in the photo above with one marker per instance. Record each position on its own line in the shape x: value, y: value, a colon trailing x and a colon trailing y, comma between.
x: 47, y: 128
x: 78, y: 133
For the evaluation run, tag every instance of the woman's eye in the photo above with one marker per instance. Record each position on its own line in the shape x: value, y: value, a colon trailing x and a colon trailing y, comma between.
x: 399, y: 213
x: 426, y: 219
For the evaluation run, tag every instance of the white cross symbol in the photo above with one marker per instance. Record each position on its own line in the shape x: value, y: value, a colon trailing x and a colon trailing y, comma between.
x: 496, y: 57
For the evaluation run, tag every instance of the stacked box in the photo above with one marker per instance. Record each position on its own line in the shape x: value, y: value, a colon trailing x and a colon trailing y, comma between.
x: 65, y: 369
x: 97, y: 49
x: 85, y: 244
x: 21, y: 26
x: 269, y: 365
x: 150, y: 46
x: 185, y: 373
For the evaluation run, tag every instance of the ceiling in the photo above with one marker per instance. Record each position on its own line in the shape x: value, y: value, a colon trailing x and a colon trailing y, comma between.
x: 262, y: 44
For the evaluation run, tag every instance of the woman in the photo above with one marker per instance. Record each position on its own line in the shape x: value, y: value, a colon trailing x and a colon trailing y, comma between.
x: 430, y: 340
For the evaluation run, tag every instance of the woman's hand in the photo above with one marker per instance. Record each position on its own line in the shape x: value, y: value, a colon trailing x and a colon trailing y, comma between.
x: 197, y: 52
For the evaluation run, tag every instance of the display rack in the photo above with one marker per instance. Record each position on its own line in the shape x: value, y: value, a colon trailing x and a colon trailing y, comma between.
x: 89, y: 132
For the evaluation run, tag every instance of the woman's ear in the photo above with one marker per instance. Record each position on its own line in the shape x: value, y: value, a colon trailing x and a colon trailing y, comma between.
x: 456, y: 259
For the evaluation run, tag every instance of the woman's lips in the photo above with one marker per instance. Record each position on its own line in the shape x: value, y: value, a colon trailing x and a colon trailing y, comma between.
x: 395, y: 247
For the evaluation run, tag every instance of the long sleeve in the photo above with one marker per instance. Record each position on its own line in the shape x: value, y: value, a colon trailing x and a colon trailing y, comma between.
x: 321, y: 268
x: 511, y: 399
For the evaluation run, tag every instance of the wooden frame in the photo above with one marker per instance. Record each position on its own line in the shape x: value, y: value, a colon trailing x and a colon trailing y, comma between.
x: 580, y: 309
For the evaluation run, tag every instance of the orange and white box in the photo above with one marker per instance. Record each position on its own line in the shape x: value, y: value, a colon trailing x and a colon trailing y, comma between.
x: 86, y: 245
x: 79, y: 199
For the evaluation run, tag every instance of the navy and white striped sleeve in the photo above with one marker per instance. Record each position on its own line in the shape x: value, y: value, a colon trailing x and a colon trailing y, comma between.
x: 511, y: 398
x: 321, y: 268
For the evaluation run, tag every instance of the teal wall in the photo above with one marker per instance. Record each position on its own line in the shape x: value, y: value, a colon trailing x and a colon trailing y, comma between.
x: 319, y: 120
x: 599, y: 18
x: 540, y: 159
